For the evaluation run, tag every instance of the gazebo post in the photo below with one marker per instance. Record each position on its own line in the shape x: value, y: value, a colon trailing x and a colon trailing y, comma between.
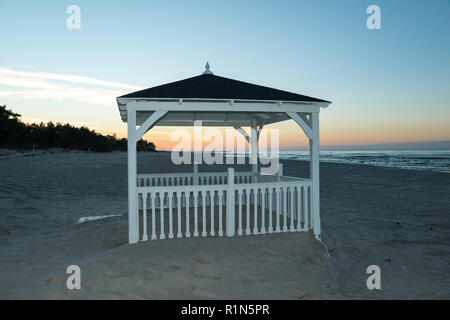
x: 133, y: 135
x: 314, y: 174
x: 133, y: 219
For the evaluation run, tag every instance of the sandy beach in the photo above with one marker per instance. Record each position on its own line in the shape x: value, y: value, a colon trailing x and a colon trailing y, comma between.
x: 396, y: 219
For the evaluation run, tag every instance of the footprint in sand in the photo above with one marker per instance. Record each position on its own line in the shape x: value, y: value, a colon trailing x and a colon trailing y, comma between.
x: 116, y: 273
x: 151, y: 275
x: 17, y: 260
x: 203, y: 259
x: 203, y: 294
x: 166, y: 267
x: 56, y: 280
x: 205, y: 271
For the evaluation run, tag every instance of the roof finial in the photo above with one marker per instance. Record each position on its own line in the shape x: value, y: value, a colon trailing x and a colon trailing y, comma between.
x: 207, y: 71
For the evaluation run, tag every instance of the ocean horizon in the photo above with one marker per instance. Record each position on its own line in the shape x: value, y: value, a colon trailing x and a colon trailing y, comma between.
x: 437, y: 160
x: 428, y: 160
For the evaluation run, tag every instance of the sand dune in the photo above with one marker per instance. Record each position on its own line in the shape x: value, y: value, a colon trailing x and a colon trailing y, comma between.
x: 397, y: 219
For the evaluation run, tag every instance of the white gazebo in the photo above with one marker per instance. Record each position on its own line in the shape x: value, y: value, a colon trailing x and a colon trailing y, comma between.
x: 206, y: 203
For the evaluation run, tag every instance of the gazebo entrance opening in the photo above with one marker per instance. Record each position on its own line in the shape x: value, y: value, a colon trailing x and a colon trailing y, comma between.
x: 174, y: 205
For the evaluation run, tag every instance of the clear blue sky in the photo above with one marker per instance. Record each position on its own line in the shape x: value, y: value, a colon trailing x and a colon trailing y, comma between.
x: 386, y: 85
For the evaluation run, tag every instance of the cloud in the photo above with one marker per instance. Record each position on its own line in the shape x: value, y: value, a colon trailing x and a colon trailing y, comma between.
x: 44, y: 85
x: 43, y: 76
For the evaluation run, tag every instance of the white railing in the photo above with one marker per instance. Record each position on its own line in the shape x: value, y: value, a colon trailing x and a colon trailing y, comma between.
x: 286, y: 206
x: 175, y: 198
x: 211, y: 206
x: 202, y: 178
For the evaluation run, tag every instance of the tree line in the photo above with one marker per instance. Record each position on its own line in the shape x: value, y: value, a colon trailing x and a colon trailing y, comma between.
x: 15, y: 134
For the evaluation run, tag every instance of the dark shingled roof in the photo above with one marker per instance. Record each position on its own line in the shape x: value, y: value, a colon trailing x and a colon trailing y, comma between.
x: 209, y: 86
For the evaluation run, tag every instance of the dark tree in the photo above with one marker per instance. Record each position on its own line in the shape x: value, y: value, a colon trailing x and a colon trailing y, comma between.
x: 18, y: 135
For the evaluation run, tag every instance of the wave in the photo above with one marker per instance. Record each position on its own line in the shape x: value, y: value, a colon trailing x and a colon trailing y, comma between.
x: 428, y: 160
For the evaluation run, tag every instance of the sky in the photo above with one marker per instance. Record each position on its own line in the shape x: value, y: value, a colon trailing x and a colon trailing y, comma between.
x: 388, y: 85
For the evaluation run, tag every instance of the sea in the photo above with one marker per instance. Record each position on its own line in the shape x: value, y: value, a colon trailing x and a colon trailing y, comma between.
x: 428, y: 160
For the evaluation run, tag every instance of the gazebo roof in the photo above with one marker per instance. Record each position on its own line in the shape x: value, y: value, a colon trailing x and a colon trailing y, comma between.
x: 210, y: 86
x: 217, y: 101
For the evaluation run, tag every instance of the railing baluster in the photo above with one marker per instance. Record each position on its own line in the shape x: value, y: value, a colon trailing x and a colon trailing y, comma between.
x: 220, y: 193
x: 153, y: 195
x: 240, y: 212
x: 203, y: 213
x: 284, y: 209
x: 179, y: 200
x: 196, y: 213
x: 170, y: 198
x: 255, y: 210
x: 270, y: 209
x: 299, y: 207
x: 212, y: 194
x: 278, y: 190
x: 291, y: 189
x: 305, y: 208
x: 188, y: 201
x: 247, y: 198
x: 263, y: 210
x: 144, y: 217
x: 161, y: 207
x: 311, y: 217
